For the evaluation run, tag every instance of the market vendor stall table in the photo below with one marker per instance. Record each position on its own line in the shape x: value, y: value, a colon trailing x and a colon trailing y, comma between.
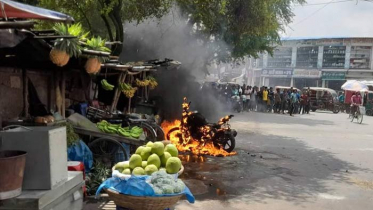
x: 68, y: 195
x: 108, y: 148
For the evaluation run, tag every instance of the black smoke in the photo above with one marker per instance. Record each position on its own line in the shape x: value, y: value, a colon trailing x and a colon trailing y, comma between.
x: 172, y: 37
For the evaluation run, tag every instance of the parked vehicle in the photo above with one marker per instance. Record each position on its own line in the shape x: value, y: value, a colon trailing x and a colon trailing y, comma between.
x: 323, y: 99
x: 369, y: 103
x: 236, y: 104
x: 282, y: 88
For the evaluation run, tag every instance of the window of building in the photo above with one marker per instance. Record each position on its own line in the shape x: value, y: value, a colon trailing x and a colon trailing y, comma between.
x: 281, y: 58
x: 360, y: 57
x: 334, y: 57
x: 307, y: 57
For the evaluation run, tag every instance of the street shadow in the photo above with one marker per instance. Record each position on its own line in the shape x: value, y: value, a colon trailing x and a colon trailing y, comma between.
x: 282, y: 169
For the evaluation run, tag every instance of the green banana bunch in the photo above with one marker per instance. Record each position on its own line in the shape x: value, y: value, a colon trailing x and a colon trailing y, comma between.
x: 124, y: 86
x: 106, y: 85
x: 106, y: 127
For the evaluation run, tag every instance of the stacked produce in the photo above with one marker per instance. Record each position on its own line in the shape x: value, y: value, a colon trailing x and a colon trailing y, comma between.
x: 151, y: 158
x: 152, y: 82
x: 142, y: 83
x: 127, y: 89
x: 106, y: 85
x: 164, y: 183
x: 107, y: 127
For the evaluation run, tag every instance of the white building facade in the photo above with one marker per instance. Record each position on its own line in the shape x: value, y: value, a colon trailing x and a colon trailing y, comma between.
x: 314, y: 62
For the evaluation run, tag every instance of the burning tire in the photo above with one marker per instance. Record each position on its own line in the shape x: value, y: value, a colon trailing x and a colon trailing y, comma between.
x: 229, y: 143
x: 172, y: 130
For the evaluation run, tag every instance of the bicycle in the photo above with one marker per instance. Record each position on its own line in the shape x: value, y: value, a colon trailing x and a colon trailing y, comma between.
x: 358, y: 114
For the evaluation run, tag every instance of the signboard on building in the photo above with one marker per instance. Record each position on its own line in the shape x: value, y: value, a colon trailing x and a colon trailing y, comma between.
x: 277, y: 72
x: 333, y: 75
x: 306, y: 73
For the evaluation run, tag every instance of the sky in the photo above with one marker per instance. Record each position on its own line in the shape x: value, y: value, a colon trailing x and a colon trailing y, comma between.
x: 332, y: 18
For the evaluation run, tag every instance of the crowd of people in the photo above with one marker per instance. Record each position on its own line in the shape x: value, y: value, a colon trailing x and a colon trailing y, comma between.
x: 264, y: 99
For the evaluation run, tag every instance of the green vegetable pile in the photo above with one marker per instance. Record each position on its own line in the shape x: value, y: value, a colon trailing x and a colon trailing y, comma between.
x: 164, y: 183
x: 71, y: 136
x: 107, y: 127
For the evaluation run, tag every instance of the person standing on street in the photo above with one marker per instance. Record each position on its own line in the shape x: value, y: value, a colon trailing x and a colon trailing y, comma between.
x: 247, y: 93
x: 303, y: 103
x: 265, y: 98
x: 284, y: 100
x: 254, y: 98
x: 271, y: 100
x: 341, y: 99
x: 259, y: 100
x: 277, y: 97
x: 293, y: 101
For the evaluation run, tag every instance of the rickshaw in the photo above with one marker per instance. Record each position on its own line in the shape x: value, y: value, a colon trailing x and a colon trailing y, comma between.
x: 369, y: 104
x: 323, y: 99
x: 282, y: 88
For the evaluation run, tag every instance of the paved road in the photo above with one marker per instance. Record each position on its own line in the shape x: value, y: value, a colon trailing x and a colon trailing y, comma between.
x: 316, y: 161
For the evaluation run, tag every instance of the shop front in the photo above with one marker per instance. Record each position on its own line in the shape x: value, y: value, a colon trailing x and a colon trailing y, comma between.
x: 306, y: 78
x: 276, y: 77
x: 333, y: 79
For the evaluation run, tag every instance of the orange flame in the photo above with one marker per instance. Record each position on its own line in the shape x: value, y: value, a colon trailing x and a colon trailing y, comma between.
x: 188, y: 143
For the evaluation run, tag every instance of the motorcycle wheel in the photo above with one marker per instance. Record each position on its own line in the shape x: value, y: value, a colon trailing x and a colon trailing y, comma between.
x: 229, y: 143
x: 175, y: 129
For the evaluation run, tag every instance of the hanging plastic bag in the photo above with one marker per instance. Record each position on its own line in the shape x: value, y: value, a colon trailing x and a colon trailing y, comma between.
x: 81, y: 152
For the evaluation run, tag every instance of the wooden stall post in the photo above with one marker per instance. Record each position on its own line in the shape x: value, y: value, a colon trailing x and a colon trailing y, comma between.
x: 63, y: 89
x: 121, y: 79
x: 25, y: 93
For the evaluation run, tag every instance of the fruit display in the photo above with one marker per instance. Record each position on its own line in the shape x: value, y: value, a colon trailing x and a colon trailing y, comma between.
x: 127, y: 89
x: 152, y: 82
x: 106, y: 127
x: 142, y: 83
x: 93, y: 64
x: 106, y: 86
x: 151, y: 157
x: 64, y: 48
x: 163, y: 183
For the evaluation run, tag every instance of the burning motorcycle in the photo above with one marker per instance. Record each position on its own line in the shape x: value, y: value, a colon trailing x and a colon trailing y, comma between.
x: 194, y: 128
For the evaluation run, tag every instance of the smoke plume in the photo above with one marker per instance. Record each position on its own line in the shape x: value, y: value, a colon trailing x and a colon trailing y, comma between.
x: 172, y: 37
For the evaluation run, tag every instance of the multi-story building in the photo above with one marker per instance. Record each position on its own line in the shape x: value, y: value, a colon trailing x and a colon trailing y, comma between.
x: 321, y: 62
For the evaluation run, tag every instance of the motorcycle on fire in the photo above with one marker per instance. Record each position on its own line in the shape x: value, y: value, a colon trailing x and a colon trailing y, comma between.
x: 194, y: 126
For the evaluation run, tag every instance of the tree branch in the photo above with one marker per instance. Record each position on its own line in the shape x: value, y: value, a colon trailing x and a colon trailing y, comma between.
x: 107, y: 24
x: 83, y: 13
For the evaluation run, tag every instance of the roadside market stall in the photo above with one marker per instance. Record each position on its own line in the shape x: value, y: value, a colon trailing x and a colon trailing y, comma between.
x: 28, y: 79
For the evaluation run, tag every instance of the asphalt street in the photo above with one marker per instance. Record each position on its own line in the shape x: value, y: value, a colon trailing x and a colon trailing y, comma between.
x: 315, y: 161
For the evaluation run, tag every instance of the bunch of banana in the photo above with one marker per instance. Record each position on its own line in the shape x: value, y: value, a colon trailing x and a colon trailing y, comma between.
x: 152, y: 82
x: 107, y: 127
x: 130, y: 93
x: 136, y: 132
x: 142, y: 83
x: 106, y: 85
x: 124, y: 86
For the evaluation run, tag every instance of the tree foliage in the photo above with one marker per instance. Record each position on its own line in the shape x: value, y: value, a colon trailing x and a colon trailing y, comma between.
x: 230, y: 29
x: 248, y: 27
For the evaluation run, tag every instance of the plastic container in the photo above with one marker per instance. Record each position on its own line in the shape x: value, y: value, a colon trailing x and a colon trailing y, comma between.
x: 12, y: 165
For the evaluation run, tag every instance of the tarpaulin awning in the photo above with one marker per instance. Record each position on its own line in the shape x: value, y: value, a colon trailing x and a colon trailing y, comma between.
x: 15, y: 10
